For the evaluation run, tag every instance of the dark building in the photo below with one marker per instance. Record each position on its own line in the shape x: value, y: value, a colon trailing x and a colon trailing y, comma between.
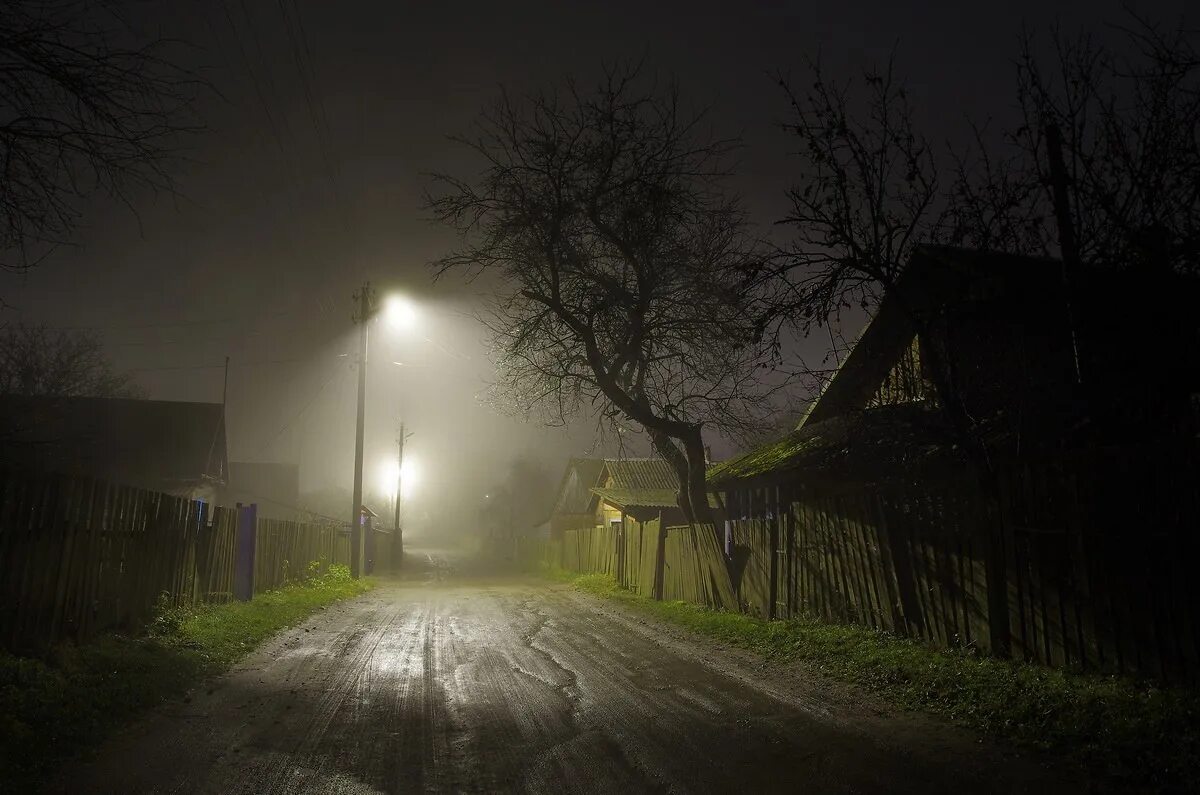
x: 173, y: 447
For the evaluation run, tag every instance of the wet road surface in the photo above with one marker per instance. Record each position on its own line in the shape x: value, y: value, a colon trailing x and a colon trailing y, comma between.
x: 460, y: 685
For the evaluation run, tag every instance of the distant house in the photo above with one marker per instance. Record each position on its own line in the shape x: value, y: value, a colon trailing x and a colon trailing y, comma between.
x: 274, y: 487
x: 641, y: 488
x: 167, y: 446
x: 571, y: 509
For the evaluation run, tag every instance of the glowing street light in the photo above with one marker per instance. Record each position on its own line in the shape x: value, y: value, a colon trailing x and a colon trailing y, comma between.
x: 390, y: 473
x: 400, y: 313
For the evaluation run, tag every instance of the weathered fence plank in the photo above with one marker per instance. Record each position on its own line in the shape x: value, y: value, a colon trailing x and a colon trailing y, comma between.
x: 80, y: 556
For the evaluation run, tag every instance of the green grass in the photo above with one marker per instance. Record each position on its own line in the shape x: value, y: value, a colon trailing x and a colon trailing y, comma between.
x: 53, y: 707
x: 1132, y: 733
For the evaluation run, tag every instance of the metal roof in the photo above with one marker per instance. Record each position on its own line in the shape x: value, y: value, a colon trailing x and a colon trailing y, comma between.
x: 645, y: 498
x: 640, y: 473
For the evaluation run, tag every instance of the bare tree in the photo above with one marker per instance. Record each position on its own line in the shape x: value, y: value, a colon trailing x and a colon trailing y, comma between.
x: 1129, y: 124
x: 871, y: 188
x: 621, y: 258
x: 86, y: 106
x: 38, y: 361
x: 869, y: 191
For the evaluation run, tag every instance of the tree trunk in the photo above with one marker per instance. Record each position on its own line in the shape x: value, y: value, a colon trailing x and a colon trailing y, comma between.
x: 665, y: 446
x: 660, y: 556
x: 697, y: 482
x: 667, y: 449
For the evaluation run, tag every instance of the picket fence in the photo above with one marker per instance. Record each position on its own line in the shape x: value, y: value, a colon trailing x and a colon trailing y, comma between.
x: 79, y: 556
x: 693, y: 565
x: 1100, y: 550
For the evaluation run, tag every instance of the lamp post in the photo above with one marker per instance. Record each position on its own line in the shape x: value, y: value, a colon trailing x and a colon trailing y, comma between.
x: 400, y: 491
x: 400, y: 313
x: 356, y: 539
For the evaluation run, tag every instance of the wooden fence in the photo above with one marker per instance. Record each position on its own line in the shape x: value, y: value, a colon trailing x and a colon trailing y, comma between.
x: 1100, y: 548
x: 1099, y: 551
x: 81, y: 556
x: 692, y: 559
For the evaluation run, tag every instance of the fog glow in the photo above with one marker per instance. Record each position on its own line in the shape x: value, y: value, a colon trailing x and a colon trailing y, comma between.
x: 387, y: 478
x: 400, y: 313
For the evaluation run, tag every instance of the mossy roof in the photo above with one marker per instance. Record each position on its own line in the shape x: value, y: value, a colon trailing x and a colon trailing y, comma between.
x: 865, y: 444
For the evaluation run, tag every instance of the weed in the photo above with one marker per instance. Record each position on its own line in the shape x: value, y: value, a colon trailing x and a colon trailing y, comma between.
x: 1133, y: 732
x: 52, y: 707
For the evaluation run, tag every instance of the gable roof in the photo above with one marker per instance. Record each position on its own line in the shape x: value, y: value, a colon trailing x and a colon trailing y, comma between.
x: 1013, y: 343
x: 860, y: 445
x: 934, y: 277
x: 574, y: 493
x: 639, y: 473
x: 154, y: 444
x: 836, y: 434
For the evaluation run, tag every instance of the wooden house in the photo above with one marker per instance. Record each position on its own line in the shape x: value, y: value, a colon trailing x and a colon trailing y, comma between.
x: 173, y: 447
x: 1081, y: 394
x: 571, y: 509
x: 643, y: 489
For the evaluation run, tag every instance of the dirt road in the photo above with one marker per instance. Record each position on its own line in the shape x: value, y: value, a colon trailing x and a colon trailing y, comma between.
x: 460, y: 685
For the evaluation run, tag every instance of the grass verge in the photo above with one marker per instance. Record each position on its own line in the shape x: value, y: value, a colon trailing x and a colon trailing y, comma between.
x: 1129, y: 732
x: 52, y: 707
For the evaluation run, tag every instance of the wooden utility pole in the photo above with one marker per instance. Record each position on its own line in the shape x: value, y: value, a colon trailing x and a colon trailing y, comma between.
x: 1067, y: 244
x: 356, y: 537
x: 400, y: 492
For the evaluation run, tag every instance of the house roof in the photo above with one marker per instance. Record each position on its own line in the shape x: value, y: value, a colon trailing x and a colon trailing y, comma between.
x: 156, y: 444
x: 1158, y: 335
x: 644, y: 498
x: 640, y: 473
x: 574, y: 493
x: 836, y: 434
x: 935, y: 276
x: 860, y: 445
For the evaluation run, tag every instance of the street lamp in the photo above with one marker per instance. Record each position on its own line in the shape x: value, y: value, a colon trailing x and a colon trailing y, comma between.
x: 401, y: 314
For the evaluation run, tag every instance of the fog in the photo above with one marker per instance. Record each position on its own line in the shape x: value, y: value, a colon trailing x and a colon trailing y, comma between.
x: 308, y: 182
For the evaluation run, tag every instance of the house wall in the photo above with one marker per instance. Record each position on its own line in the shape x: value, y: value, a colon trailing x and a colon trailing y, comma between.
x: 606, y: 513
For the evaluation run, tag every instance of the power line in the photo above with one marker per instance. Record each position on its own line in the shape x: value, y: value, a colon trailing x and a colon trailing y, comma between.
x: 258, y: 89
x: 301, y: 412
x: 216, y: 366
x: 294, y: 28
x: 175, y: 324
x: 281, y: 504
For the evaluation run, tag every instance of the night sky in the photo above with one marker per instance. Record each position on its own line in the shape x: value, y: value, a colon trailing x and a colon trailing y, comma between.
x: 309, y: 180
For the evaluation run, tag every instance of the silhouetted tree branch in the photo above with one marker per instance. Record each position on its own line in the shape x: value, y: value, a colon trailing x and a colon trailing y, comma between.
x: 622, y: 261
x: 86, y: 106
x: 38, y: 361
x: 1130, y: 124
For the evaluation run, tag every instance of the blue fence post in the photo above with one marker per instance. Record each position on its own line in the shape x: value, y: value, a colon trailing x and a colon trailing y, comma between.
x: 243, y: 568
